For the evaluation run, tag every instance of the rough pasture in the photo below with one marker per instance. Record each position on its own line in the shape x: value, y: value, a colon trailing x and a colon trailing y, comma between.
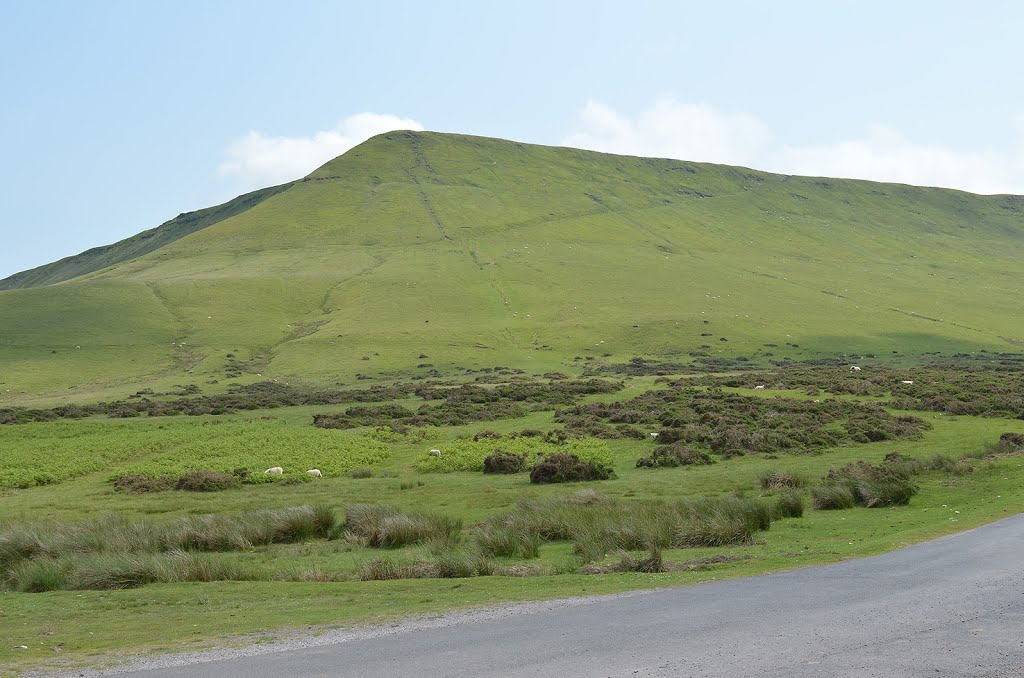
x: 41, y: 454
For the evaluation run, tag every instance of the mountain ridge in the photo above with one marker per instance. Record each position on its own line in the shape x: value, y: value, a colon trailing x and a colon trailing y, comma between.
x: 144, y: 242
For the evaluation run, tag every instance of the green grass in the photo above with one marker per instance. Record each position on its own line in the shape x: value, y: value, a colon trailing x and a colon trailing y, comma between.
x: 304, y: 576
x: 542, y: 255
x: 40, y: 454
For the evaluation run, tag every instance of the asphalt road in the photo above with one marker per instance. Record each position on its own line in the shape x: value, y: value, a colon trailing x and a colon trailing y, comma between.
x: 950, y: 607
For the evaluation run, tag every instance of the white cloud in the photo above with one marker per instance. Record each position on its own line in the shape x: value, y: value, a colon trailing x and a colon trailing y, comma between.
x: 672, y: 129
x: 700, y: 132
x: 259, y: 160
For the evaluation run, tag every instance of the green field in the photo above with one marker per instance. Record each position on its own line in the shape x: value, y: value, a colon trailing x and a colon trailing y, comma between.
x: 478, y: 252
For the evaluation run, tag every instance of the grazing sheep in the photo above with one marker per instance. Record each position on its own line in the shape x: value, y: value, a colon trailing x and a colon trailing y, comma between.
x: 435, y: 453
x: 907, y: 381
x: 315, y: 472
x: 654, y: 435
x: 854, y: 368
x: 274, y: 470
x: 759, y: 387
x: 817, y: 401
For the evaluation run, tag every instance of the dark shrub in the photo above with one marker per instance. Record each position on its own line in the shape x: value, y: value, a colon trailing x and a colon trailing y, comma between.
x: 567, y: 468
x: 676, y: 454
x: 333, y: 421
x: 1012, y: 441
x: 136, y: 482
x: 487, y: 435
x: 504, y: 462
x: 205, y: 480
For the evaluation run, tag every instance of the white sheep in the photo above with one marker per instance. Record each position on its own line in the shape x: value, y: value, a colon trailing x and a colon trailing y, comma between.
x: 435, y: 453
x: 654, y: 435
x: 274, y: 471
x: 907, y: 381
x: 759, y: 387
x: 854, y: 368
x: 315, y: 472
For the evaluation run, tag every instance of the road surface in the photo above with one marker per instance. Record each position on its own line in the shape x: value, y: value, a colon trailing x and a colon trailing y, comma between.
x: 946, y: 608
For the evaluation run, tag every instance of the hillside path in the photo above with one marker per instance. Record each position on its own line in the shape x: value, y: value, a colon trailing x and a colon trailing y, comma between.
x: 950, y: 607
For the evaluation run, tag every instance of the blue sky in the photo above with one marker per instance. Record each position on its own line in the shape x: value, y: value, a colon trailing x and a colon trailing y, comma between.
x: 119, y: 115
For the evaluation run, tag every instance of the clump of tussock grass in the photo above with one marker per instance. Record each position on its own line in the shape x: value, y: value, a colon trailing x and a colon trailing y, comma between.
x: 508, y: 541
x: 104, y: 571
x: 450, y: 565
x: 875, y: 486
x: 597, y: 525
x: 254, y: 528
x: 779, y: 480
x: 115, y: 534
x: 832, y: 497
x: 361, y: 472
x: 384, y: 526
x: 384, y: 569
x: 455, y: 565
x: 19, y: 544
x: 789, y: 504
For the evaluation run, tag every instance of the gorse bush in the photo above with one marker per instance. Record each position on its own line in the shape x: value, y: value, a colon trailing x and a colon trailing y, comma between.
x: 202, y: 480
x: 676, y: 454
x: 501, y: 461
x: 138, y: 483
x: 567, y: 468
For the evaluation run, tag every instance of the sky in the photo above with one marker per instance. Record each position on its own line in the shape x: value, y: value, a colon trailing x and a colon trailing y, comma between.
x: 117, y: 116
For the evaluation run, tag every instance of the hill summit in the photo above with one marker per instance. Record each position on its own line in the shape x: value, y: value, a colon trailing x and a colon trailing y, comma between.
x: 421, y: 253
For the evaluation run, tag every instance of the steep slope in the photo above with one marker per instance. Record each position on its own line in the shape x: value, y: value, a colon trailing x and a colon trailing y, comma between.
x: 138, y: 244
x: 478, y: 252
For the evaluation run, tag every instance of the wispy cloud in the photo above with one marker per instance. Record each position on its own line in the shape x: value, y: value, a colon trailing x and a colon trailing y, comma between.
x: 700, y: 132
x: 257, y: 160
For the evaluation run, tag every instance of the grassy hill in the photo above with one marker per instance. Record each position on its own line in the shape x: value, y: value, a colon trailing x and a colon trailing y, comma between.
x: 421, y: 251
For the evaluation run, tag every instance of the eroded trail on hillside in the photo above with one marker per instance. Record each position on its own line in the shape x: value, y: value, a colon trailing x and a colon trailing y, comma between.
x: 950, y: 607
